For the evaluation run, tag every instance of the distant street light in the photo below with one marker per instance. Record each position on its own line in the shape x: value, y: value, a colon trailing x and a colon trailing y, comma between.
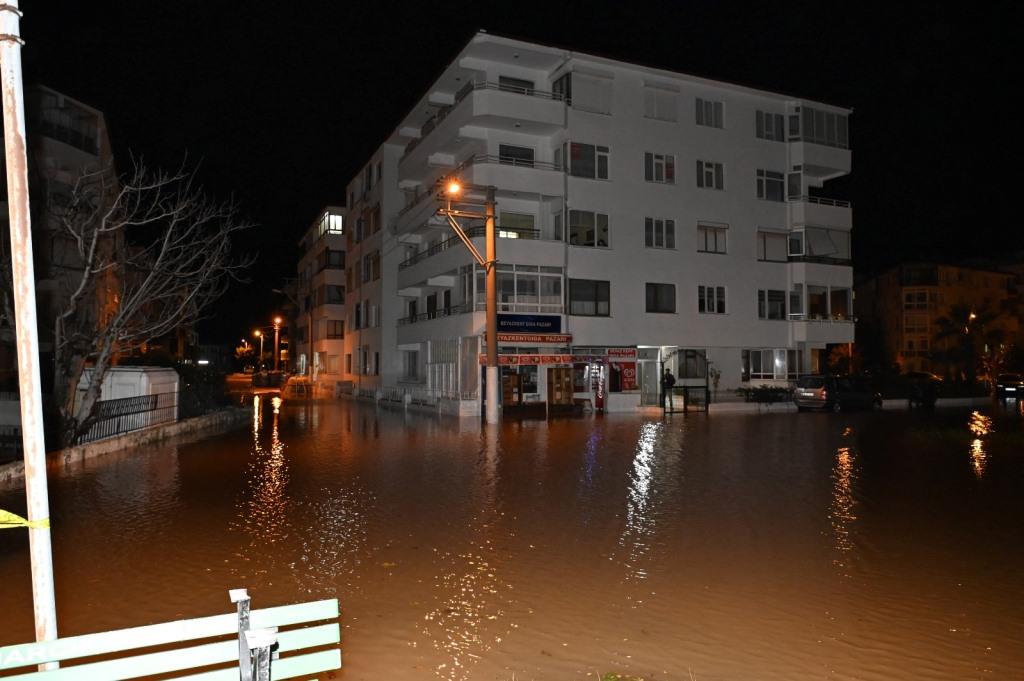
x: 277, y: 343
x: 452, y: 190
x: 259, y: 334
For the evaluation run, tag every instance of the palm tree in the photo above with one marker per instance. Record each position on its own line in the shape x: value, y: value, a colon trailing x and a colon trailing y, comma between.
x: 970, y: 339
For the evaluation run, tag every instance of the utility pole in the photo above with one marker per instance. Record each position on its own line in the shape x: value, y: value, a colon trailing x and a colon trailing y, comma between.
x: 493, y: 380
x: 27, y: 334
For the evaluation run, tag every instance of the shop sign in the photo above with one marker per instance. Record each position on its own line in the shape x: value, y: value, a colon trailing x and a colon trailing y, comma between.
x: 529, y: 323
x: 562, y: 338
x: 515, y: 360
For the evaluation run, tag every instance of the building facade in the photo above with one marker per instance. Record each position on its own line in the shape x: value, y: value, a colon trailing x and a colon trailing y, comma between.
x: 904, y: 308
x: 319, y: 321
x: 646, y: 220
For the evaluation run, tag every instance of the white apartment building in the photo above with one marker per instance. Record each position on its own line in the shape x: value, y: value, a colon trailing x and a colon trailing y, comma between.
x: 320, y: 289
x: 647, y: 219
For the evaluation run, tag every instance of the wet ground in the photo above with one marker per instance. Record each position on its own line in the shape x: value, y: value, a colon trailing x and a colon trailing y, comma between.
x: 877, y: 546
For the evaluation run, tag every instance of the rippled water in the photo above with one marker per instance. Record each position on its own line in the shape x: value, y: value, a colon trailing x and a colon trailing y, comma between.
x: 777, y: 546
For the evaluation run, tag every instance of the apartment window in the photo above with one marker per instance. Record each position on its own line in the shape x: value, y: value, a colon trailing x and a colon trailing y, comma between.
x: 588, y: 229
x: 516, y: 225
x: 660, y: 168
x: 588, y: 160
x: 771, y: 304
x: 367, y: 268
x: 588, y: 297
x: 771, y: 246
x: 366, y: 360
x: 516, y: 156
x: 562, y: 88
x: 770, y: 185
x: 660, y: 297
x: 796, y: 300
x: 333, y: 260
x: 375, y: 265
x: 335, y: 328
x: 357, y: 317
x: 710, y: 175
x: 659, y: 233
x: 334, y: 294
x: 796, y: 244
x: 660, y: 104
x: 376, y: 363
x: 518, y: 85
x: 348, y: 362
x: 820, y: 127
x: 770, y: 126
x: 709, y: 113
x: 411, y: 365
x: 765, y: 364
x: 817, y: 302
x: 711, y: 299
x: 711, y: 238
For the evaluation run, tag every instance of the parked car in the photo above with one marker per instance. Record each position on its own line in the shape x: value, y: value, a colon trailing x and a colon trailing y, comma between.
x: 835, y: 393
x: 1009, y: 385
x: 922, y: 388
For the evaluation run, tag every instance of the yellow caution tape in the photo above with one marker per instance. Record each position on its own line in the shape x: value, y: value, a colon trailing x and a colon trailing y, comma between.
x: 8, y: 520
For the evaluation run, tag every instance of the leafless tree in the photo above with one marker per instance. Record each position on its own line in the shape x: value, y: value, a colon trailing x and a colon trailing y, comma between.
x: 154, y: 253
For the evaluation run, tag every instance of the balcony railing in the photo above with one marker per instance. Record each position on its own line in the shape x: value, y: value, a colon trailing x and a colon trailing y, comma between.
x: 442, y: 113
x: 480, y: 230
x: 440, y: 312
x: 506, y: 161
x: 821, y: 200
x: 821, y: 318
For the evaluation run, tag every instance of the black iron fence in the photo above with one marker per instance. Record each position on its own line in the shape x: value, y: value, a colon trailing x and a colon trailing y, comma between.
x: 127, y: 414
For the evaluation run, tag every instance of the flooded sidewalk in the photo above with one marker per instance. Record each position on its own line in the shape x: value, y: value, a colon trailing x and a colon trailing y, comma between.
x: 876, y: 546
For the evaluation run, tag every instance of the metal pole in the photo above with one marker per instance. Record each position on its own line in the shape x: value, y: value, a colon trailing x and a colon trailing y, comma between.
x: 493, y: 414
x: 27, y: 334
x: 277, y: 347
x: 259, y: 364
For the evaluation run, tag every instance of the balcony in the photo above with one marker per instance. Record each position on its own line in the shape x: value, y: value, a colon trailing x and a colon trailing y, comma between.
x: 509, y: 174
x: 817, y: 210
x: 817, y: 329
x: 820, y: 161
x: 491, y: 105
x: 436, y: 314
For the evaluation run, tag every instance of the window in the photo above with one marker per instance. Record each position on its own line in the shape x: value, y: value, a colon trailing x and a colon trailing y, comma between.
x: 332, y: 260
x: 820, y: 244
x: 660, y: 168
x: 660, y: 104
x: 517, y: 156
x: 375, y: 265
x: 334, y: 294
x: 771, y: 304
x: 796, y: 244
x: 523, y: 87
x: 766, y: 364
x: 335, y: 328
x: 710, y: 175
x: 357, y: 317
x: 411, y: 364
x: 590, y: 298
x: 562, y: 88
x: 659, y: 233
x: 711, y: 299
x: 817, y: 302
x: 711, y: 238
x: 820, y: 127
x: 709, y: 113
x: 367, y: 268
x: 588, y: 160
x: 331, y: 224
x: 515, y: 225
x: 348, y: 362
x: 661, y: 297
x: 592, y: 93
x: 771, y: 246
x: 588, y: 229
x: 796, y: 300
x: 770, y: 126
x: 770, y: 185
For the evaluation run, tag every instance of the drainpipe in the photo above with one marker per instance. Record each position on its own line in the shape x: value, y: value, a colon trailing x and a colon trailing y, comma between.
x: 27, y: 334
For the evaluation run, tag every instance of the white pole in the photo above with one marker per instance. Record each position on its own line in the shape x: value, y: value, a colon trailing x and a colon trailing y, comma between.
x: 27, y: 334
x: 493, y: 412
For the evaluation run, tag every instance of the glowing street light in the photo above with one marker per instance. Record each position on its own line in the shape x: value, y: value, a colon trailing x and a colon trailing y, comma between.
x: 277, y: 343
x: 259, y: 334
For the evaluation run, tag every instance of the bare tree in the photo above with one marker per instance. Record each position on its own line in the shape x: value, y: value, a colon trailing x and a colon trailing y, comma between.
x: 154, y: 253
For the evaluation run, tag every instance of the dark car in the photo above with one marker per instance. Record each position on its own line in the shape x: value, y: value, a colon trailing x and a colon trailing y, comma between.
x: 922, y: 388
x: 835, y: 393
x: 1009, y: 385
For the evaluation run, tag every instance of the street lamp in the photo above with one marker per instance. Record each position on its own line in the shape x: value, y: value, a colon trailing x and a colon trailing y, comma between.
x: 277, y: 341
x: 452, y: 190
x: 259, y: 334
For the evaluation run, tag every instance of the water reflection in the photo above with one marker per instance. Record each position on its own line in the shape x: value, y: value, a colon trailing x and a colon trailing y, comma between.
x: 636, y: 535
x: 980, y: 426
x: 842, y: 512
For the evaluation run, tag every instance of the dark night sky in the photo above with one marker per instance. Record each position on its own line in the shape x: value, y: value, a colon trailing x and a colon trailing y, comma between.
x: 283, y: 101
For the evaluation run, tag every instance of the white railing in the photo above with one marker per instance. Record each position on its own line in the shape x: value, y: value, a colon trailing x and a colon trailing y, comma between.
x: 821, y: 201
x: 841, y: 319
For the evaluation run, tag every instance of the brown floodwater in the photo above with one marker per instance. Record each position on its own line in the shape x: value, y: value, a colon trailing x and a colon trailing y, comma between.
x: 879, y: 546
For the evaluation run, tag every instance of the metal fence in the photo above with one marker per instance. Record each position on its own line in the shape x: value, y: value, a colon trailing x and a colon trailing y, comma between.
x: 128, y: 414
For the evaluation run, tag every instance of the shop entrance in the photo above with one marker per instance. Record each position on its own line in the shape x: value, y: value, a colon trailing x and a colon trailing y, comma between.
x: 560, y: 389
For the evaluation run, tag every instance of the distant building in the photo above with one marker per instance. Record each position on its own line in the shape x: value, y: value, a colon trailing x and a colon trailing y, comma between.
x: 319, y: 322
x: 65, y: 138
x: 647, y: 219
x: 899, y: 308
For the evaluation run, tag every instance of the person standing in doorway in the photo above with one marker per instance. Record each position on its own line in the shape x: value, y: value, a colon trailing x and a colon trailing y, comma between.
x: 667, y: 382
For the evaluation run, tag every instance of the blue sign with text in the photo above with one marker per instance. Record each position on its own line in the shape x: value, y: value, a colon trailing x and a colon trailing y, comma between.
x: 529, y: 323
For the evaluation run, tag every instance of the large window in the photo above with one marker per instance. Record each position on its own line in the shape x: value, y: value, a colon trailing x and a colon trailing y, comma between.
x: 710, y: 175
x: 659, y: 233
x: 820, y: 127
x: 770, y: 126
x: 768, y: 364
x: 588, y: 160
x: 711, y: 238
x: 771, y: 304
x: 661, y: 297
x: 771, y: 246
x: 335, y: 328
x: 709, y: 113
x: 521, y: 288
x: 660, y: 103
x: 517, y: 156
x: 820, y: 244
x: 588, y: 297
x: 711, y: 299
x: 770, y: 185
x: 517, y: 85
x: 588, y: 229
x: 660, y: 168
x: 334, y: 294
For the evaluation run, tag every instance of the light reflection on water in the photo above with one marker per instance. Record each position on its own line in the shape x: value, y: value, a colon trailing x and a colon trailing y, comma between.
x: 638, y: 532
x: 980, y: 426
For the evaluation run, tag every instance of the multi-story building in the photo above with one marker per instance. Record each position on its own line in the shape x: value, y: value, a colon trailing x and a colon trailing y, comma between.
x: 65, y: 139
x: 647, y: 220
x: 319, y: 322
x: 903, y: 307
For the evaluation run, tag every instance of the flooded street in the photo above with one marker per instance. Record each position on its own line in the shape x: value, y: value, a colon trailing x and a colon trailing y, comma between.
x: 877, y: 546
